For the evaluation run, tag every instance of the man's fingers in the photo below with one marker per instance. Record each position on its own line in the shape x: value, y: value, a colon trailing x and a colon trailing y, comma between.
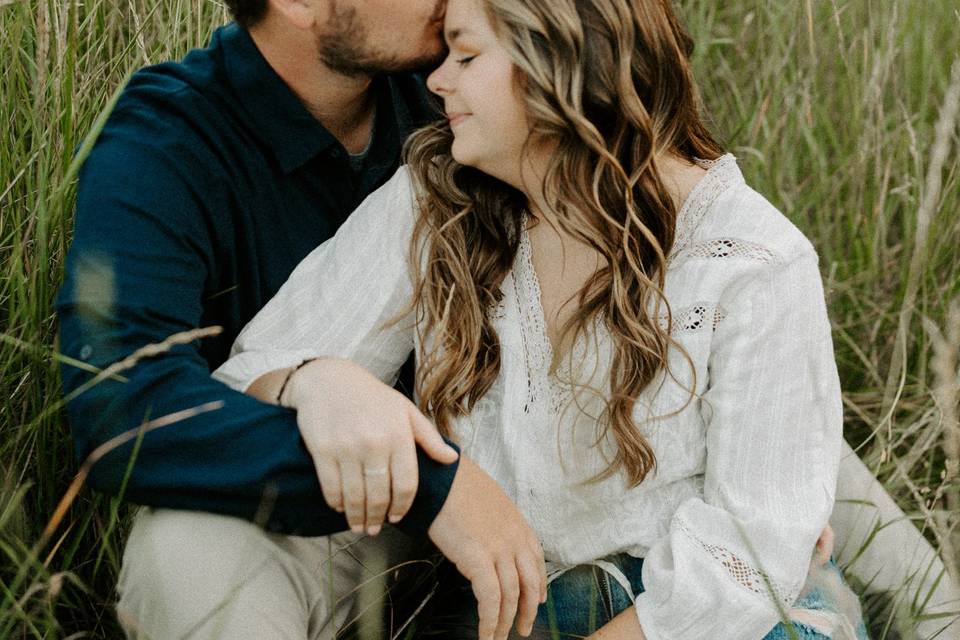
x: 376, y: 478
x: 509, y: 597
x: 354, y: 501
x: 404, y: 478
x: 328, y: 473
x: 486, y: 589
x: 429, y: 439
x: 529, y: 594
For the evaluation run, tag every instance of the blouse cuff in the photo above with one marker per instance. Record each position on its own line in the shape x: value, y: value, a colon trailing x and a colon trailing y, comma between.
x: 243, y: 369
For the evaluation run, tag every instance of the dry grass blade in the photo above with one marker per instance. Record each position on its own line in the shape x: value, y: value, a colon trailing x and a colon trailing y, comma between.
x: 943, y: 140
x: 945, y: 366
x: 103, y: 450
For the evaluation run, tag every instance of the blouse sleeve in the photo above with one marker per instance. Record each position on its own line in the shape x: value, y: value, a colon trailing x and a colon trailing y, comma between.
x: 340, y: 299
x: 774, y: 420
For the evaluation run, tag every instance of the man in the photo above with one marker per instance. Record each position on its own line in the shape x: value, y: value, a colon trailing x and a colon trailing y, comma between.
x: 212, y: 179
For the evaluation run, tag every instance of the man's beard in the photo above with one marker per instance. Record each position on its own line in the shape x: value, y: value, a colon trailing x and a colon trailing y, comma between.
x: 343, y: 49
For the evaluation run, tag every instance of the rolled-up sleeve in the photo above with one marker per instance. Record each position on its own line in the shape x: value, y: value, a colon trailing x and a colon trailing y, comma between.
x: 773, y: 414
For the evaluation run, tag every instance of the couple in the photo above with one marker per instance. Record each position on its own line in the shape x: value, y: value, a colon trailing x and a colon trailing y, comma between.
x: 627, y: 346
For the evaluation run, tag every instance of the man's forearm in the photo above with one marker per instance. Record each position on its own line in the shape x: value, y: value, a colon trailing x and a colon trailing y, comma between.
x: 246, y: 459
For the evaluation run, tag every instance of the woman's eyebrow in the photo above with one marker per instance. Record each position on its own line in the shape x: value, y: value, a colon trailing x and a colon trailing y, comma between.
x: 452, y: 35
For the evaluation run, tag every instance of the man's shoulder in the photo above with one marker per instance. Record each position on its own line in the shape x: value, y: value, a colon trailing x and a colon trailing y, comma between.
x: 174, y: 85
x: 173, y: 104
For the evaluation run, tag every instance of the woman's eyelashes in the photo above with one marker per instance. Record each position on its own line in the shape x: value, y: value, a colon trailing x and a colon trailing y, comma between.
x: 465, y: 61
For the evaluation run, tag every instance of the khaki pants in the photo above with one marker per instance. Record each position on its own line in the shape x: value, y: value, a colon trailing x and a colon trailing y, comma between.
x: 202, y: 576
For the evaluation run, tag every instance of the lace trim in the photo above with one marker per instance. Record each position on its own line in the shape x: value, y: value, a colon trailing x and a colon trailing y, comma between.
x: 557, y: 389
x: 538, y: 351
x: 745, y: 575
x: 732, y: 248
x: 498, y: 311
x: 722, y: 174
x: 694, y: 318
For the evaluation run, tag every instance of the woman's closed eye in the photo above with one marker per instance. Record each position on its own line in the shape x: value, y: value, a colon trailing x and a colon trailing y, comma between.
x: 465, y: 60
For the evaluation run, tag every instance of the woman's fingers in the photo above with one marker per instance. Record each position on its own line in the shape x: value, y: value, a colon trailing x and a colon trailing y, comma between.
x: 354, y: 501
x: 824, y: 546
x: 509, y: 595
x: 541, y: 568
x: 426, y: 435
x: 529, y: 594
x: 486, y: 589
x: 404, y: 476
x: 376, y: 476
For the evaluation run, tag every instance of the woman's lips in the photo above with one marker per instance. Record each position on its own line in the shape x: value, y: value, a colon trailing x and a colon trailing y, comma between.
x: 457, y: 118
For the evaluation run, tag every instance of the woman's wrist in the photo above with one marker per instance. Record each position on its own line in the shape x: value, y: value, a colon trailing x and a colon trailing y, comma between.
x: 301, y: 382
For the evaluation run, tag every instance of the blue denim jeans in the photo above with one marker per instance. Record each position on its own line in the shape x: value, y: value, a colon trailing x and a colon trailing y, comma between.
x: 585, y: 598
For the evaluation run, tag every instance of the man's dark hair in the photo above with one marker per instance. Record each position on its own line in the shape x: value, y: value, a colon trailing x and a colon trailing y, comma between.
x: 247, y: 12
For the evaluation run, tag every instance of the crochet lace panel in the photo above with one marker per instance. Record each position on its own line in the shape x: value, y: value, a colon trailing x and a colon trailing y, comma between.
x: 499, y: 310
x: 694, y: 318
x: 557, y: 388
x: 537, y: 350
x: 743, y: 573
x: 722, y: 174
x: 731, y: 248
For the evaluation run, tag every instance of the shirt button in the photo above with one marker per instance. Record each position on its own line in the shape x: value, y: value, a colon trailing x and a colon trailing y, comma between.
x: 336, y: 153
x: 85, y: 352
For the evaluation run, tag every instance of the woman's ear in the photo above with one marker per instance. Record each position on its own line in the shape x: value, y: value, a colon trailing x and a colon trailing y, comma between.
x: 301, y: 14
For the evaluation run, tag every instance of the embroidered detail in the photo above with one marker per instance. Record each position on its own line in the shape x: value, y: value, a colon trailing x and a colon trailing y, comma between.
x: 498, y: 311
x: 698, y: 316
x: 557, y: 389
x: 745, y: 575
x: 732, y: 248
x: 533, y: 331
x: 722, y: 174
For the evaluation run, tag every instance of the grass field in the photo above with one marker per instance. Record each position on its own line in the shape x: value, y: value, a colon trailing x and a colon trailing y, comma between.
x: 832, y: 107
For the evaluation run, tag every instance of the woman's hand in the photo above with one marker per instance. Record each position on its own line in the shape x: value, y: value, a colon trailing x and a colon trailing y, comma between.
x: 482, y: 532
x: 362, y: 436
x: 824, y: 547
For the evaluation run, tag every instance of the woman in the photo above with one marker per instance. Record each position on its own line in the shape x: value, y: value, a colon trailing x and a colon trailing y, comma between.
x: 606, y: 318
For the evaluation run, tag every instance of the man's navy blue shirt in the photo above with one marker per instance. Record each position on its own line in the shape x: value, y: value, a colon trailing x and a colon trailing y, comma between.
x: 209, y: 183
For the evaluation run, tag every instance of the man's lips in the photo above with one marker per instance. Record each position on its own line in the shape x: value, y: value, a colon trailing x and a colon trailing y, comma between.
x: 457, y: 118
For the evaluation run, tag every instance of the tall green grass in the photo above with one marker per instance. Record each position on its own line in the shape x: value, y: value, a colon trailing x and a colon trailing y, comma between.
x: 830, y: 105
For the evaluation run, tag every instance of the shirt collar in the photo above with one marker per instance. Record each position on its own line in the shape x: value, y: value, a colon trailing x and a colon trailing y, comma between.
x: 277, y: 115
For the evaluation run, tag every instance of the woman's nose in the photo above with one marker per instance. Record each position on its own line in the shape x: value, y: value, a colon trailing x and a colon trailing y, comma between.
x: 439, y: 82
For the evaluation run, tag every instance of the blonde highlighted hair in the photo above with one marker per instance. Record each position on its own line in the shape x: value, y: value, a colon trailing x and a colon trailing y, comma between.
x: 610, y: 82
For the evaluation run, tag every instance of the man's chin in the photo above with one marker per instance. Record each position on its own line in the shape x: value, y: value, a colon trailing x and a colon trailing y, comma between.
x: 383, y: 65
x: 424, y: 63
x: 427, y: 58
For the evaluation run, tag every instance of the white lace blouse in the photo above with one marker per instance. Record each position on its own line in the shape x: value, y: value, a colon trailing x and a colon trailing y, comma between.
x: 746, y: 474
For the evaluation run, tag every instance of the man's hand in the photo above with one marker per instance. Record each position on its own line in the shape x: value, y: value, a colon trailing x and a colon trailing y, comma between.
x: 484, y: 534
x: 362, y: 436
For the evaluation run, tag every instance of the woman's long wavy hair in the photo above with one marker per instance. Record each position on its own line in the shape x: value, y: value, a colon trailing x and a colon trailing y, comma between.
x: 609, y: 82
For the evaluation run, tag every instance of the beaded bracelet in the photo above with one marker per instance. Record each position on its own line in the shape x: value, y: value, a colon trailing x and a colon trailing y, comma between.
x: 290, y: 373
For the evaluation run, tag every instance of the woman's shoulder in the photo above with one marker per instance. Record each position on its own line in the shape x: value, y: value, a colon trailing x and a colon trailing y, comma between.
x: 726, y: 218
x: 391, y: 205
